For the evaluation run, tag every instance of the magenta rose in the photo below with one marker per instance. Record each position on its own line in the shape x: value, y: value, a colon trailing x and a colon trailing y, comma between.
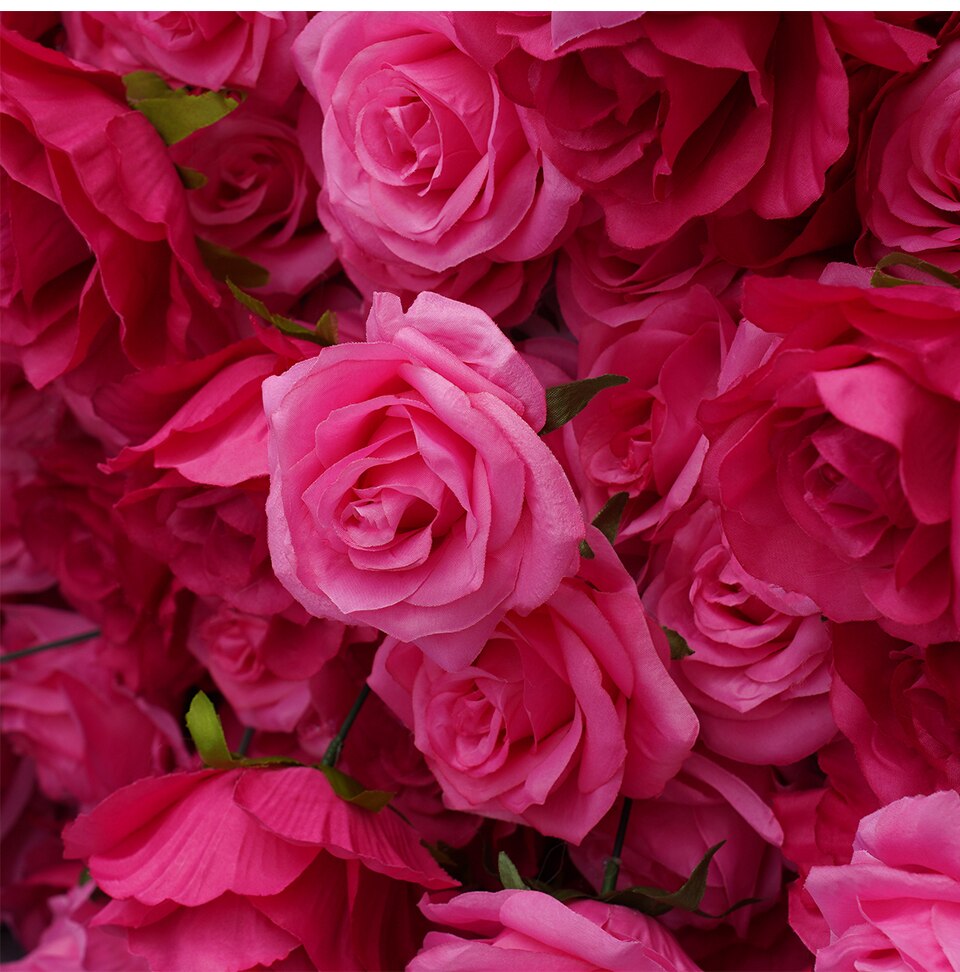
x: 643, y: 437
x: 98, y: 224
x: 243, y: 50
x: 408, y: 486
x: 432, y: 180
x: 908, y: 181
x: 241, y: 868
x: 512, y: 930
x: 562, y: 710
x: 259, y: 198
x: 900, y: 707
x: 898, y: 900
x: 709, y: 801
x: 662, y: 117
x: 65, y: 710
x: 759, y: 676
x: 833, y: 455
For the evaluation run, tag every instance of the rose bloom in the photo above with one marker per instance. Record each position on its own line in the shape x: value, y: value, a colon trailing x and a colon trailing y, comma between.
x: 643, y: 437
x: 908, y: 180
x: 708, y: 801
x: 833, y: 449
x: 240, y: 868
x: 759, y: 676
x: 513, y: 930
x: 898, y: 900
x: 260, y: 197
x: 662, y: 117
x: 432, y: 179
x: 408, y: 486
x: 243, y: 50
x: 98, y: 229
x: 562, y: 710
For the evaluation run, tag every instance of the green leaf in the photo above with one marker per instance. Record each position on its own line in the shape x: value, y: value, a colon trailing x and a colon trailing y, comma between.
x: 586, y: 551
x: 607, y: 521
x: 881, y: 279
x: 657, y: 901
x: 566, y: 401
x: 350, y: 790
x: 191, y: 178
x: 206, y: 731
x: 509, y: 875
x: 325, y: 332
x: 173, y: 112
x: 227, y: 266
x: 742, y: 903
x: 678, y: 645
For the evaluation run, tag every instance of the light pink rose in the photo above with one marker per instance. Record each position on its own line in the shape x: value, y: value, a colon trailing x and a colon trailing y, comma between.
x: 759, y: 675
x: 432, y: 179
x: 64, y: 710
x: 259, y: 199
x: 709, y: 801
x: 663, y: 117
x: 244, y: 50
x: 833, y: 453
x: 907, y: 180
x: 643, y: 437
x: 514, y: 930
x: 234, y: 869
x: 562, y: 710
x: 408, y: 486
x: 98, y: 225
x: 900, y: 707
x: 899, y: 897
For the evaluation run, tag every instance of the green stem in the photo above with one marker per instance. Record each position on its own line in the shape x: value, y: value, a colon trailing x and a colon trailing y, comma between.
x: 48, y: 646
x: 332, y: 754
x: 611, y: 870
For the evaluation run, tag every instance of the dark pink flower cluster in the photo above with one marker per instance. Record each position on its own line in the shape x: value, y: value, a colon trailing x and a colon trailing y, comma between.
x: 538, y: 434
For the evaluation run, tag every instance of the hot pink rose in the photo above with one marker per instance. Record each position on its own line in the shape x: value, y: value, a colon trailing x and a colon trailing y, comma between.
x: 408, y: 486
x: 643, y: 437
x: 235, y: 869
x: 98, y: 225
x: 759, y: 675
x: 259, y: 198
x: 563, y: 710
x: 709, y: 801
x: 908, y: 180
x: 664, y: 116
x: 513, y: 930
x: 833, y: 456
x: 898, y: 900
x: 900, y: 707
x: 65, y: 710
x: 432, y: 179
x: 245, y: 50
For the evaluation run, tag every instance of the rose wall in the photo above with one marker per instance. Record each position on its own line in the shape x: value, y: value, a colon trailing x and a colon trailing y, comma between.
x: 483, y: 489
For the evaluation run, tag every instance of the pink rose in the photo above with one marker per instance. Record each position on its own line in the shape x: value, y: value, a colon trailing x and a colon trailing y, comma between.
x: 408, y: 486
x: 98, y: 224
x: 510, y: 930
x: 65, y: 710
x: 432, y: 179
x: 245, y: 50
x: 643, y: 437
x: 759, y: 675
x: 900, y: 707
x: 899, y: 897
x: 235, y: 869
x: 833, y: 455
x: 562, y: 710
x: 906, y: 186
x: 260, y: 198
x: 663, y: 117
x: 709, y: 801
